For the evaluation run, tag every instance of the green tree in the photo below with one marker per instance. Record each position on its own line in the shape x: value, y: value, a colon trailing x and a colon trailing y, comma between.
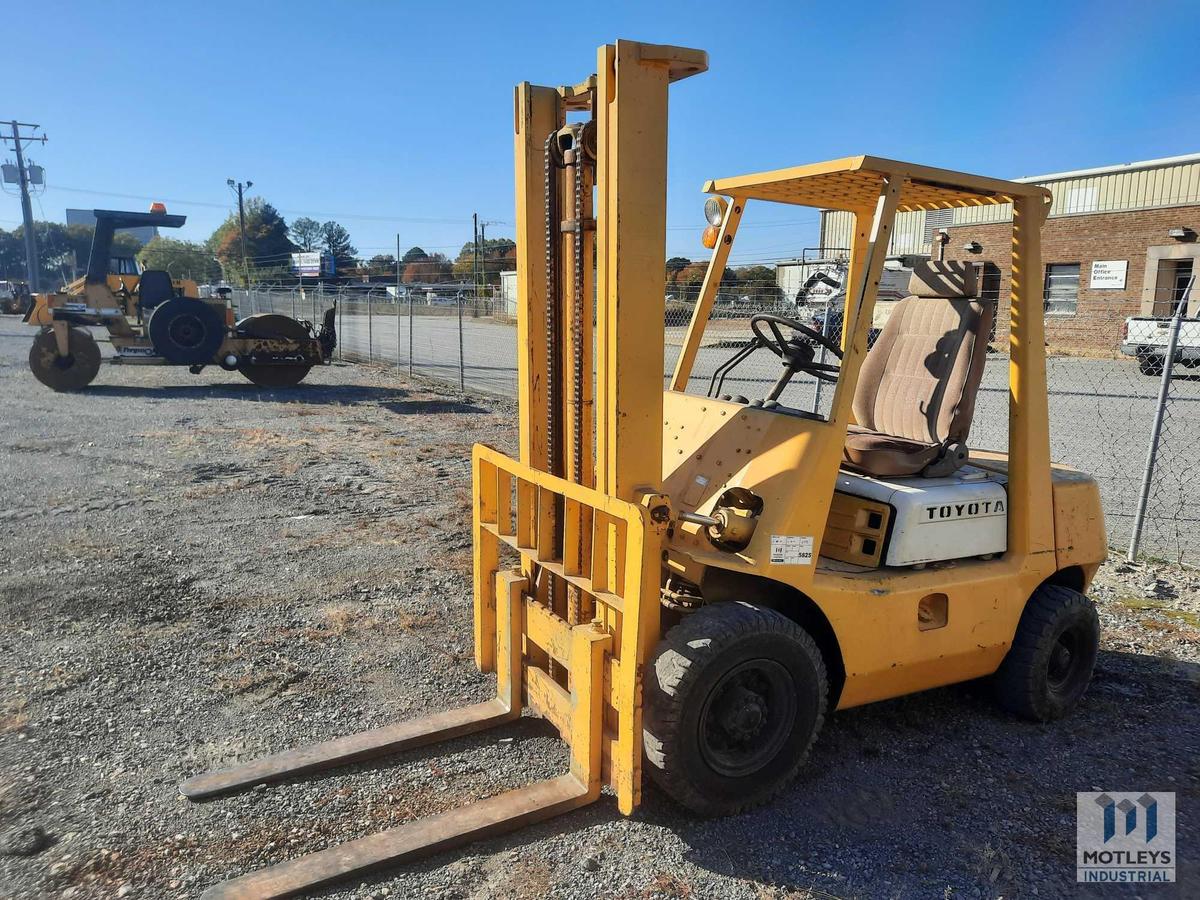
x: 268, y: 246
x: 413, y: 254
x: 382, y: 263
x: 306, y: 233
x: 335, y: 240
x: 759, y: 281
x: 183, y: 259
x: 12, y: 257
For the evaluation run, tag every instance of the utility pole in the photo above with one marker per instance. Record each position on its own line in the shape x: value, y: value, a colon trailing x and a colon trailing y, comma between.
x: 32, y: 266
x: 239, y: 187
x: 475, y: 255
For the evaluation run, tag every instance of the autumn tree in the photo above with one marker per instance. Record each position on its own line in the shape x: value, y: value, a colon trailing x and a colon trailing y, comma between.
x: 674, y: 265
x: 431, y: 269
x: 497, y: 255
x: 268, y: 247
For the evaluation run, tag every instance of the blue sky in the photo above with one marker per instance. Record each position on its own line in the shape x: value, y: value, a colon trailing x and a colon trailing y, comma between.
x: 398, y: 118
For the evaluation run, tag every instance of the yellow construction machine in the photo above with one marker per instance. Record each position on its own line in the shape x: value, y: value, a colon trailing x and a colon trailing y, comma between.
x: 154, y: 319
x: 686, y: 584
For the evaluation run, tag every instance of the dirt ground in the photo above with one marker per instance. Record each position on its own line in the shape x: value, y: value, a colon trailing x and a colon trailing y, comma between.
x: 197, y: 571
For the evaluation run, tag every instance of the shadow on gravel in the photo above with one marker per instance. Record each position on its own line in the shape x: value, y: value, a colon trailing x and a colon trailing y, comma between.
x: 416, y: 407
x: 944, y: 790
x: 325, y: 394
x: 935, y: 794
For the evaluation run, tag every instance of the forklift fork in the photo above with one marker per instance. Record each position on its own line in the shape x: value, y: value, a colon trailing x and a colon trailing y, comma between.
x: 594, y: 707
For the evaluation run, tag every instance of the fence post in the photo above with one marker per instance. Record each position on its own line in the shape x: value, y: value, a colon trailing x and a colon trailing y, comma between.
x: 293, y: 303
x: 462, y: 371
x: 370, y: 330
x: 341, y: 344
x: 1164, y: 388
x: 410, y: 332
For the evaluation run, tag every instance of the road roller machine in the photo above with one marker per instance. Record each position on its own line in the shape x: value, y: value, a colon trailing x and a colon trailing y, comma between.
x: 154, y: 319
x: 687, y: 583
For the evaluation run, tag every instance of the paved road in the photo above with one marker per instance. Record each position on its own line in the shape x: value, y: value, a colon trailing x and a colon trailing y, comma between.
x: 1101, y: 410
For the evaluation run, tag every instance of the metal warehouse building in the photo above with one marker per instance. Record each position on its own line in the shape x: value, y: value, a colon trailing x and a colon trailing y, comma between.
x: 1120, y: 241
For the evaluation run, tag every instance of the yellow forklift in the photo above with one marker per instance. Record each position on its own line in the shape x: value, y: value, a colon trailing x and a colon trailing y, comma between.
x: 154, y: 319
x: 686, y: 584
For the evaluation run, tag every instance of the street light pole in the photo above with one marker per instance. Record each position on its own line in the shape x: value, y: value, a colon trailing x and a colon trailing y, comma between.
x: 240, y: 187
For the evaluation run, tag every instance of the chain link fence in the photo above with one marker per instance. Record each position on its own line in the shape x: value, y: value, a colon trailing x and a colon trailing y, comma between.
x: 1103, y: 406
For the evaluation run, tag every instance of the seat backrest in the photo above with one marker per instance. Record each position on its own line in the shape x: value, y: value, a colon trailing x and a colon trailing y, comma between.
x: 154, y: 287
x: 920, y: 378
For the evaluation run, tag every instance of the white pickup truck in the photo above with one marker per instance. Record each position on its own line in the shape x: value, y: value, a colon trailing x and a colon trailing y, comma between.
x: 1146, y: 337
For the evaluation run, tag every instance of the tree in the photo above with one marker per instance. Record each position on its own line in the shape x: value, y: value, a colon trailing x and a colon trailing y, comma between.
x: 497, y: 255
x: 413, y: 254
x: 431, y: 269
x: 335, y: 240
x: 183, y: 259
x: 759, y: 281
x: 306, y: 233
x: 268, y: 246
x: 674, y: 265
x: 63, y: 251
x: 382, y: 262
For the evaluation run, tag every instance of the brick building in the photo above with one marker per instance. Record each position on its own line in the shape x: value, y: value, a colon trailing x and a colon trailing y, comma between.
x: 1120, y: 241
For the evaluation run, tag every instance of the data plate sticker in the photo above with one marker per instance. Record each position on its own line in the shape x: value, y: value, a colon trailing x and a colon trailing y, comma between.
x: 791, y: 549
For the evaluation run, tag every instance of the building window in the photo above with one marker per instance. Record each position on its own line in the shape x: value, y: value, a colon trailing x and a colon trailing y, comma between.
x: 1062, y: 288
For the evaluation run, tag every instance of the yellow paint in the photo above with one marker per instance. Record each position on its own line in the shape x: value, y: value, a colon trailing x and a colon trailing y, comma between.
x: 586, y: 676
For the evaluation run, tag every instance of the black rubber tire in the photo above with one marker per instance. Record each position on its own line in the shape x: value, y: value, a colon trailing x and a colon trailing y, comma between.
x: 1150, y: 364
x: 186, y: 331
x: 73, y: 373
x: 1036, y: 681
x: 274, y: 376
x: 691, y: 668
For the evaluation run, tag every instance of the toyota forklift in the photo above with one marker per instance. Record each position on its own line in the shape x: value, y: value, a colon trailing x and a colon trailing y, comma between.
x: 685, y: 583
x: 154, y: 319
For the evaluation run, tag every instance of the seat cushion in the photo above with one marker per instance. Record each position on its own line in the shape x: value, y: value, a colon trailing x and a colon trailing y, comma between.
x: 884, y: 456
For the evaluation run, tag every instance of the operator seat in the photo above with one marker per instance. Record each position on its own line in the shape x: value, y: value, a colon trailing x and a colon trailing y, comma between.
x: 916, y: 391
x: 154, y: 287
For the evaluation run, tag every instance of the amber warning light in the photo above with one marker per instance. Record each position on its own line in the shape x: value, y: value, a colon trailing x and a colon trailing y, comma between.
x: 157, y: 207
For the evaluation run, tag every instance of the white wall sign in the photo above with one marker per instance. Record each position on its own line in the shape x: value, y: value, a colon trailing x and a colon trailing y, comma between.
x: 1108, y: 274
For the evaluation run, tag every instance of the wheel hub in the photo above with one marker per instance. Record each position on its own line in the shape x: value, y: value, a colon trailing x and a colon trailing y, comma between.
x: 747, y: 717
x: 742, y: 712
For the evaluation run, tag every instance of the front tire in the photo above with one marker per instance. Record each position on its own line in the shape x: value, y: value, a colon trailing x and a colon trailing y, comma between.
x: 735, y: 697
x: 1052, y: 657
x: 72, y: 372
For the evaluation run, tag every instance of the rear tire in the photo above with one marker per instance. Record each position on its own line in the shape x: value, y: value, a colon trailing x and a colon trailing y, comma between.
x: 1052, y: 657
x: 186, y: 331
x: 73, y: 372
x: 1149, y: 364
x: 735, y: 697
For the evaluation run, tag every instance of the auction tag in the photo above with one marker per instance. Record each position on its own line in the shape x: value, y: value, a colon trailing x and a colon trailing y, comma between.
x: 791, y: 549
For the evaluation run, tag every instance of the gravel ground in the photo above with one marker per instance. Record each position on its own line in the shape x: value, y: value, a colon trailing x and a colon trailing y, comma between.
x: 198, y: 571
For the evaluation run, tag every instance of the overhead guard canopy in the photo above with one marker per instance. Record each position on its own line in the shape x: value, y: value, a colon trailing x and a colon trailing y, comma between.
x: 853, y: 183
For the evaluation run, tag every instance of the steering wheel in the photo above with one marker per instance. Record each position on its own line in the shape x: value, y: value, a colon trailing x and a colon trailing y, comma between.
x: 797, y: 354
